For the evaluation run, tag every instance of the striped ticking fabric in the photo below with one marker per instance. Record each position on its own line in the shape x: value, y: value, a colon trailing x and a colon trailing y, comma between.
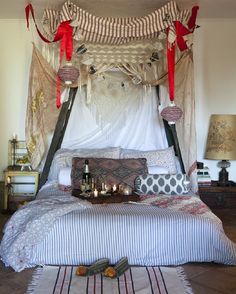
x: 148, y: 280
x: 147, y: 235
x: 116, y: 31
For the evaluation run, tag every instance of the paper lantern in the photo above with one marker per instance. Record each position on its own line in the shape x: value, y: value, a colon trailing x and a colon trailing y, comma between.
x: 171, y: 113
x: 68, y: 73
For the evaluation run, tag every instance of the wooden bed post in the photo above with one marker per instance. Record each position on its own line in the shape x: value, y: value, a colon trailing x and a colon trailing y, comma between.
x: 171, y: 135
x: 58, y: 134
x: 172, y: 139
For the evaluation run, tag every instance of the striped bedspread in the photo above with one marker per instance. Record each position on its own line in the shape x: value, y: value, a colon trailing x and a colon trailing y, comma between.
x: 147, y: 235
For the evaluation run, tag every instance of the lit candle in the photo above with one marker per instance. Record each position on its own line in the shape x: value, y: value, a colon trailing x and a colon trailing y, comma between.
x: 14, y: 136
x: 127, y: 191
x: 107, y: 188
x: 9, y: 180
x: 114, y: 188
x: 95, y: 193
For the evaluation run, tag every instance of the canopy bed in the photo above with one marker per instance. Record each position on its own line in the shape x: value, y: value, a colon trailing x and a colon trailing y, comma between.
x: 115, y: 123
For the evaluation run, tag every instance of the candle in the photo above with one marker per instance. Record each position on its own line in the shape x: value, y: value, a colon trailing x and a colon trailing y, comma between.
x: 103, y: 186
x: 14, y: 136
x: 95, y: 193
x: 9, y: 180
x: 114, y: 188
x: 107, y: 187
x: 127, y: 190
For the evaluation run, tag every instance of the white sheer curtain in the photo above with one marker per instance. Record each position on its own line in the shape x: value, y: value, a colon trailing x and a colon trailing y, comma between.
x: 119, y: 114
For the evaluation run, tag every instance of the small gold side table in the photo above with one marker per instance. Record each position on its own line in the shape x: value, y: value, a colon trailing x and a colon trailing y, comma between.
x: 19, y: 185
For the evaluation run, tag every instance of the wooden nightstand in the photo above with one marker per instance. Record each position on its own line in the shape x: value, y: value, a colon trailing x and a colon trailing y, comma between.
x: 218, y: 197
x: 19, y: 186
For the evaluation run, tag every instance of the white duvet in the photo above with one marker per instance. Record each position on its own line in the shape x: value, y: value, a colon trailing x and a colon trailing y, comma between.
x: 60, y: 229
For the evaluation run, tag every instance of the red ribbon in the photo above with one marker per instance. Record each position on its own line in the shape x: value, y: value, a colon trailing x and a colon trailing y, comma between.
x: 64, y: 34
x: 181, y: 31
x: 171, y: 71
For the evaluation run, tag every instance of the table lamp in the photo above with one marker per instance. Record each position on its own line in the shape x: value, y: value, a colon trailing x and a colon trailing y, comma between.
x: 221, y: 143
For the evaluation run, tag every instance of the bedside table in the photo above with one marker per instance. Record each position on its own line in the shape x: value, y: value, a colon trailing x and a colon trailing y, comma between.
x: 218, y: 197
x: 19, y: 186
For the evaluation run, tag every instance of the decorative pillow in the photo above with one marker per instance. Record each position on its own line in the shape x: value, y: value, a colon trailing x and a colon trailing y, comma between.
x: 64, y: 177
x: 63, y: 158
x: 162, y: 184
x: 110, y: 171
x: 178, y: 166
x: 163, y: 157
x: 158, y: 170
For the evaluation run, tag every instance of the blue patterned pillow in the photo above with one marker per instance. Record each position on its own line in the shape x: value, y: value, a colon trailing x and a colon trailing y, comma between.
x: 177, y: 184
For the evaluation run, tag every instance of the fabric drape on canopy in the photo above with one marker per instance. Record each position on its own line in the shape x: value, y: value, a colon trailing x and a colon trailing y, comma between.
x: 115, y: 31
x: 41, y: 113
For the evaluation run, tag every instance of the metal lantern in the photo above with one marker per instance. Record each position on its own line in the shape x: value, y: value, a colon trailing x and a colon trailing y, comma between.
x: 68, y: 73
x: 172, y: 113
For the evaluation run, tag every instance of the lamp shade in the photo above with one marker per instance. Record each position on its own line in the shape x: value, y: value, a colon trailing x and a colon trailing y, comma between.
x: 221, y: 141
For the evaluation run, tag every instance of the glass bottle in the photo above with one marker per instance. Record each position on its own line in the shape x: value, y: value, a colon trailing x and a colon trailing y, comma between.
x: 86, y: 178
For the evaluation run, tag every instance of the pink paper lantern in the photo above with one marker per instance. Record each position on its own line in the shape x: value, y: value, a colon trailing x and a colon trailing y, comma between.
x: 68, y: 73
x: 172, y: 113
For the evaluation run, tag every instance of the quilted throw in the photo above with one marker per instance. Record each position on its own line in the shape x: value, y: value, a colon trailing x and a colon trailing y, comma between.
x: 187, y: 204
x: 31, y: 224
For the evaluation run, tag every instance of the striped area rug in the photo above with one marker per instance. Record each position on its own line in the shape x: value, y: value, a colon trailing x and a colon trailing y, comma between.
x: 141, y: 280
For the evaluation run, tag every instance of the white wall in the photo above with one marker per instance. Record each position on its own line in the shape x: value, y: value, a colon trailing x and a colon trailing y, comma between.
x: 215, y: 80
x: 15, y: 57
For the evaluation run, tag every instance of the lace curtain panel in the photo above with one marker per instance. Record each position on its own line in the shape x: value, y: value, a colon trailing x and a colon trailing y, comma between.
x: 119, y: 114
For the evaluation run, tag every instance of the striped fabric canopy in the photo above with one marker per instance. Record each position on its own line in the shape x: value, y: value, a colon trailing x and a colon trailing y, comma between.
x: 114, y: 31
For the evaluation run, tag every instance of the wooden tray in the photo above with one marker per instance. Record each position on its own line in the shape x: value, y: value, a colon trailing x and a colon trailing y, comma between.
x: 112, y: 198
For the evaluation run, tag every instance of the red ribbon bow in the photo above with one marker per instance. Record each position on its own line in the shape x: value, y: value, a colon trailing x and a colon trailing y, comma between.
x: 181, y: 31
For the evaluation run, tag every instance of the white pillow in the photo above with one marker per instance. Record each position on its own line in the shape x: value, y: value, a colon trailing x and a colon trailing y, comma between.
x: 157, y: 170
x: 164, y: 157
x: 178, y: 166
x: 64, y: 177
x: 63, y: 158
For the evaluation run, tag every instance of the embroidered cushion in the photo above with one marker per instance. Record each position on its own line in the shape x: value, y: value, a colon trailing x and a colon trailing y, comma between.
x: 63, y: 158
x: 162, y: 184
x: 109, y: 171
x: 164, y: 157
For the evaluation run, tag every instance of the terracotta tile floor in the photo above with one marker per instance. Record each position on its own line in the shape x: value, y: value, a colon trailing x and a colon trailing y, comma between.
x: 211, y: 278
x: 205, y: 278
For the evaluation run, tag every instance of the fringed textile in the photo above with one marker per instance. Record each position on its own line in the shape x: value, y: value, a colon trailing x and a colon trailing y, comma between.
x: 41, y: 116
